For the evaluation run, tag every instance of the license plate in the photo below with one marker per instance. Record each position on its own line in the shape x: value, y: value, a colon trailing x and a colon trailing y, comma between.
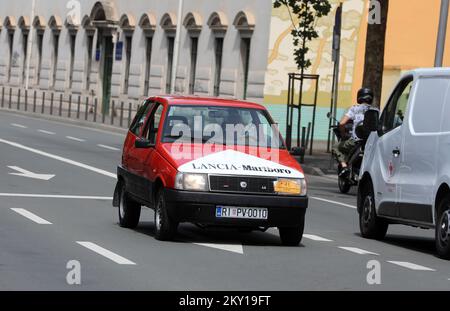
x: 241, y: 212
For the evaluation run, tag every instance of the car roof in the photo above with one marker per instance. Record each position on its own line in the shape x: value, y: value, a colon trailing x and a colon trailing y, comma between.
x: 206, y: 101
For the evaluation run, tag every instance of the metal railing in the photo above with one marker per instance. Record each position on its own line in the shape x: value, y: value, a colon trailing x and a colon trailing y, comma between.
x: 71, y: 106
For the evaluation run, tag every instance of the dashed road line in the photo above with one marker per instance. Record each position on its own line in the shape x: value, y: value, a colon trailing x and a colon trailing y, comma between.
x: 76, y: 139
x: 316, y: 238
x: 19, y: 125
x: 411, y: 266
x: 108, y: 147
x: 106, y: 253
x: 46, y: 132
x: 358, y: 251
x: 31, y: 216
x: 333, y: 202
x: 54, y: 196
x: 59, y: 158
x: 234, y: 248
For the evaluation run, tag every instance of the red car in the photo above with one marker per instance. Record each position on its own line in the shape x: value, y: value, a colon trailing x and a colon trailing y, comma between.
x: 211, y: 162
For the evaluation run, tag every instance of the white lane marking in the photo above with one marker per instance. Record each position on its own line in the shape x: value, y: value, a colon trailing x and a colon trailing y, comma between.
x: 54, y: 196
x: 55, y: 157
x: 28, y: 174
x: 31, y: 216
x: 76, y: 139
x: 316, y: 238
x: 19, y: 125
x: 333, y: 202
x: 108, y: 147
x: 46, y: 132
x: 234, y: 248
x: 411, y: 266
x: 357, y: 251
x: 106, y: 253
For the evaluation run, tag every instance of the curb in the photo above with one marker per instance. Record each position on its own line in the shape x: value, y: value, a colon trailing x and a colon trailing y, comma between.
x: 76, y: 122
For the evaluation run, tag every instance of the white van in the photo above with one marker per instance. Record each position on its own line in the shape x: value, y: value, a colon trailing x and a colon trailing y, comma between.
x: 405, y: 175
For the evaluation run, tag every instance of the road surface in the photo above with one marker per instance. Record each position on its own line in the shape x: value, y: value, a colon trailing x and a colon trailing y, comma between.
x: 48, y: 221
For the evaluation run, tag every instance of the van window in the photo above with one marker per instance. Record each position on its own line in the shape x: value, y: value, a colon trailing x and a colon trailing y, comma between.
x: 445, y: 123
x: 428, y: 104
x: 394, y: 112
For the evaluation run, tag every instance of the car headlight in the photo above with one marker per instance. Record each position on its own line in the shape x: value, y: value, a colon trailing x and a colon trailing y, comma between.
x: 194, y: 182
x: 289, y: 186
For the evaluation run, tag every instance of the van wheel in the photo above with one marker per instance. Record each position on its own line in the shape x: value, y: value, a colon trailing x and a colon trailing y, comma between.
x: 443, y: 229
x: 165, y: 227
x: 129, y: 210
x: 344, y: 185
x: 292, y: 236
x: 371, y: 226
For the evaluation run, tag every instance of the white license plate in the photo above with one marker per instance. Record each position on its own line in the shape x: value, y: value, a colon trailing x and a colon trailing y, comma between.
x: 241, y: 212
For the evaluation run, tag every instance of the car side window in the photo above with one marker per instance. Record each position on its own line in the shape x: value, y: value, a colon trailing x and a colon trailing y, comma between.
x: 139, y: 120
x: 153, y: 123
x: 394, y: 112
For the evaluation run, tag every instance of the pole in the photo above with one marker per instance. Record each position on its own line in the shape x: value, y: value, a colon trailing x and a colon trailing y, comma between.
x: 29, y: 45
x: 176, y: 50
x: 337, y: 58
x: 440, y: 44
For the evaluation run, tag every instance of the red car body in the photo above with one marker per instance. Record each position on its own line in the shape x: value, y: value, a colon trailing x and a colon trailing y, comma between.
x: 150, y: 168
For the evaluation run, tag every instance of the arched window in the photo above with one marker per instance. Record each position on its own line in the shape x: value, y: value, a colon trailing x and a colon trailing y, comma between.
x: 218, y: 23
x: 193, y: 24
x: 245, y: 24
x: 55, y: 24
x: 10, y: 24
x: 127, y: 23
x: 147, y: 22
x: 39, y: 25
x: 168, y: 23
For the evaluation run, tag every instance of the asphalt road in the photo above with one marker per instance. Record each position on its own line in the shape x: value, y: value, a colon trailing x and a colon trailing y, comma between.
x: 44, y: 224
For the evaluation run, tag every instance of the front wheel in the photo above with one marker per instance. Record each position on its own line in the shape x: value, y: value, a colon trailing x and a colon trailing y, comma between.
x: 371, y: 226
x: 442, y: 231
x: 165, y: 227
x: 292, y: 236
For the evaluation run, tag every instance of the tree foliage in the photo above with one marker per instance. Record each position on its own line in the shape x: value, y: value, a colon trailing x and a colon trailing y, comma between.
x: 307, y: 12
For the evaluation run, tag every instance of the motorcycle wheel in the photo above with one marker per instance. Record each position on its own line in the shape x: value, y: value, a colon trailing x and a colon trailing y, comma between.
x: 344, y: 185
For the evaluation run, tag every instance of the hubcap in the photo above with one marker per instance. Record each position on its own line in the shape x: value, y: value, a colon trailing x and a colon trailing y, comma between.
x: 444, y: 227
x: 367, y: 209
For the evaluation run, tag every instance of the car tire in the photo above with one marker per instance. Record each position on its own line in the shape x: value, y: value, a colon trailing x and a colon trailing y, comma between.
x: 129, y: 210
x: 442, y: 231
x: 344, y: 185
x: 165, y: 227
x: 292, y: 236
x: 371, y: 226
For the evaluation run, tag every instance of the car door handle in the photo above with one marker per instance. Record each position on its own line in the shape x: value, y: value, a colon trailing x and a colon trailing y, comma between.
x: 396, y: 153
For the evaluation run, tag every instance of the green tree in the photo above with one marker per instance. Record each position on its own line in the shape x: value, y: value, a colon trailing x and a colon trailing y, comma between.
x: 375, y: 44
x: 306, y: 12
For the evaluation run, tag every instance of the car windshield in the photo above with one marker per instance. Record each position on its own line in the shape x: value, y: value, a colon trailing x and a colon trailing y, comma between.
x: 221, y: 125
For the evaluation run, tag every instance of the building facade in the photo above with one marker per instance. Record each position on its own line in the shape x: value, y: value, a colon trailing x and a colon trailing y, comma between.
x: 123, y: 50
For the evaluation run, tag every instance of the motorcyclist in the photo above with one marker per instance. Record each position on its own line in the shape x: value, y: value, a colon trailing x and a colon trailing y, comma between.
x: 344, y: 148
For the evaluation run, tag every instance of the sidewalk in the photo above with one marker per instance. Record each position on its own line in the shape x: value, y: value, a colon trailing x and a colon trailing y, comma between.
x: 319, y: 164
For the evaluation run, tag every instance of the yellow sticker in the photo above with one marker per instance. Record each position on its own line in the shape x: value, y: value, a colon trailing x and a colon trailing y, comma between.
x: 287, y: 186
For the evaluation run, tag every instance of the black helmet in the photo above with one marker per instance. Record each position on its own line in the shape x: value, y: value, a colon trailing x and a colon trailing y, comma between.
x: 365, y: 95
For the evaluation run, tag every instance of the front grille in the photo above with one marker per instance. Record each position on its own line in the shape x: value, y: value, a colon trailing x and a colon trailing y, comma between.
x: 241, y: 184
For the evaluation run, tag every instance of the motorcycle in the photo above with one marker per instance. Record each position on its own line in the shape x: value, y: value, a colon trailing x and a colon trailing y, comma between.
x: 355, y: 157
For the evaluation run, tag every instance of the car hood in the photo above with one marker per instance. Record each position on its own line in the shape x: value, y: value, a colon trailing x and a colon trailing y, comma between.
x: 233, y: 160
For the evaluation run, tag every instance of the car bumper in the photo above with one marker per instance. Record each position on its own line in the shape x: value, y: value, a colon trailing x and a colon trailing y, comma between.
x: 200, y: 207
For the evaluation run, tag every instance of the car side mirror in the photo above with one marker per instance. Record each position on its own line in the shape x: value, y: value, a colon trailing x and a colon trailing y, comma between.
x: 371, y: 120
x: 142, y: 143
